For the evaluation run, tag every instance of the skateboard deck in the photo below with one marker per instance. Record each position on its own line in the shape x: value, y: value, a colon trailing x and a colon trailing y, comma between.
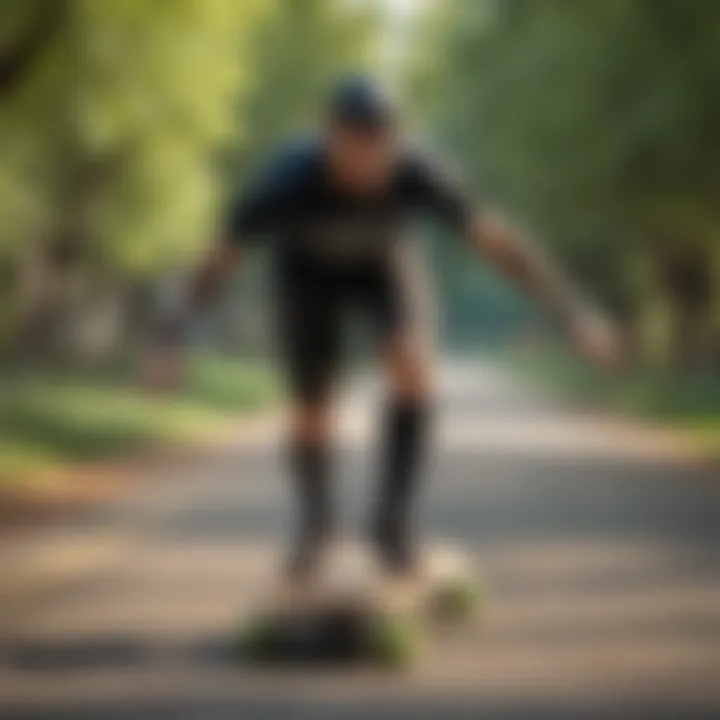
x: 353, y: 611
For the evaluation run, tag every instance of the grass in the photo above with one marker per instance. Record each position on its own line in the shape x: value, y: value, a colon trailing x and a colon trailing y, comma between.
x: 691, y: 403
x: 52, y: 420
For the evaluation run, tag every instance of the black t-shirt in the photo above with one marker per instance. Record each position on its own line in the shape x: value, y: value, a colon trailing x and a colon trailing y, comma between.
x: 310, y: 218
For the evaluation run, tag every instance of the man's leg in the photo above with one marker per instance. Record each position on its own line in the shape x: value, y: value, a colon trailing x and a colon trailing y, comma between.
x: 310, y: 466
x: 405, y: 439
x: 311, y: 354
x: 407, y: 327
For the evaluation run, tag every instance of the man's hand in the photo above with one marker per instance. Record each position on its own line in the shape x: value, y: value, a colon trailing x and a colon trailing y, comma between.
x: 165, y: 364
x: 597, y: 341
x: 164, y: 369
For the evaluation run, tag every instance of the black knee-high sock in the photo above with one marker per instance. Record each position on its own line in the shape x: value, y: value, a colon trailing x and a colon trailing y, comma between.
x: 310, y: 466
x: 404, y: 445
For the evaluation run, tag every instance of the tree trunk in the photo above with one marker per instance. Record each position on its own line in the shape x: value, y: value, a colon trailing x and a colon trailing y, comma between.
x: 16, y: 62
x: 688, y: 279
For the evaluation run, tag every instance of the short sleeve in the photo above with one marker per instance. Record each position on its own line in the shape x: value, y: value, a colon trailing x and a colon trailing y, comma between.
x: 433, y: 188
x: 268, y: 199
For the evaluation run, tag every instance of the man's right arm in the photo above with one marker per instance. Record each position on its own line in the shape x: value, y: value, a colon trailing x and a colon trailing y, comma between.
x: 164, y: 366
x: 219, y: 265
x: 258, y: 211
x: 189, y: 297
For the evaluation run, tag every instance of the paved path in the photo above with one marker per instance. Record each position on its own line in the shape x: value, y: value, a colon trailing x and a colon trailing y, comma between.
x: 601, y: 546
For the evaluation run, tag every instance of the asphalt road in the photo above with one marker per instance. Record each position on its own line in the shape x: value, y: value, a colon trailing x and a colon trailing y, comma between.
x: 599, y: 544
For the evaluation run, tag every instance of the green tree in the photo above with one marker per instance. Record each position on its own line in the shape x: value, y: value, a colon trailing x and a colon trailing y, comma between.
x: 596, y: 121
x: 108, y: 143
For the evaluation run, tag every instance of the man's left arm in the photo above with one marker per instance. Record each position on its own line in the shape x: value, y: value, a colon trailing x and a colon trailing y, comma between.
x: 522, y: 260
x: 509, y: 249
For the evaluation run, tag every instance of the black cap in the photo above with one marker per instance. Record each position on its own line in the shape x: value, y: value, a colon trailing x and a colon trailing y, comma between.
x: 359, y: 101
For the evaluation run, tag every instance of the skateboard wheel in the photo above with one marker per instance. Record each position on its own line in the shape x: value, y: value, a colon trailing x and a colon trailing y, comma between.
x: 258, y: 640
x: 456, y: 600
x: 395, y: 641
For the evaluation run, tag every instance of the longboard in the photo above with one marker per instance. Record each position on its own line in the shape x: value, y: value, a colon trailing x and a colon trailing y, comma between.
x: 352, y: 611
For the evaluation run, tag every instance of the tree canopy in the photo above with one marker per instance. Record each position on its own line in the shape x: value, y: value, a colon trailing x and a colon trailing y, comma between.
x: 125, y: 125
x: 597, y: 122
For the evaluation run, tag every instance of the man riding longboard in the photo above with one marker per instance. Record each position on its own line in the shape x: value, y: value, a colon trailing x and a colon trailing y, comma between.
x: 338, y: 207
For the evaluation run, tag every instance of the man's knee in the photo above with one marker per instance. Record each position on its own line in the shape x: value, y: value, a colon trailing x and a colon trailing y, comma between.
x: 410, y: 372
x: 311, y: 422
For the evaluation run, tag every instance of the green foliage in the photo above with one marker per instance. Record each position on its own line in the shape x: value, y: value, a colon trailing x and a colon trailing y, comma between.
x: 110, y: 138
x: 596, y: 121
x: 223, y: 384
x: 50, y: 420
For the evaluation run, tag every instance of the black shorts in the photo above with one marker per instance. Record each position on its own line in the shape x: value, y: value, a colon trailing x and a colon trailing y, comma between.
x: 317, y: 304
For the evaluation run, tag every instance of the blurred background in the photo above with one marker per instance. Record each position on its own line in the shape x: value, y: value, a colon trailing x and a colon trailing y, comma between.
x: 127, y: 125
